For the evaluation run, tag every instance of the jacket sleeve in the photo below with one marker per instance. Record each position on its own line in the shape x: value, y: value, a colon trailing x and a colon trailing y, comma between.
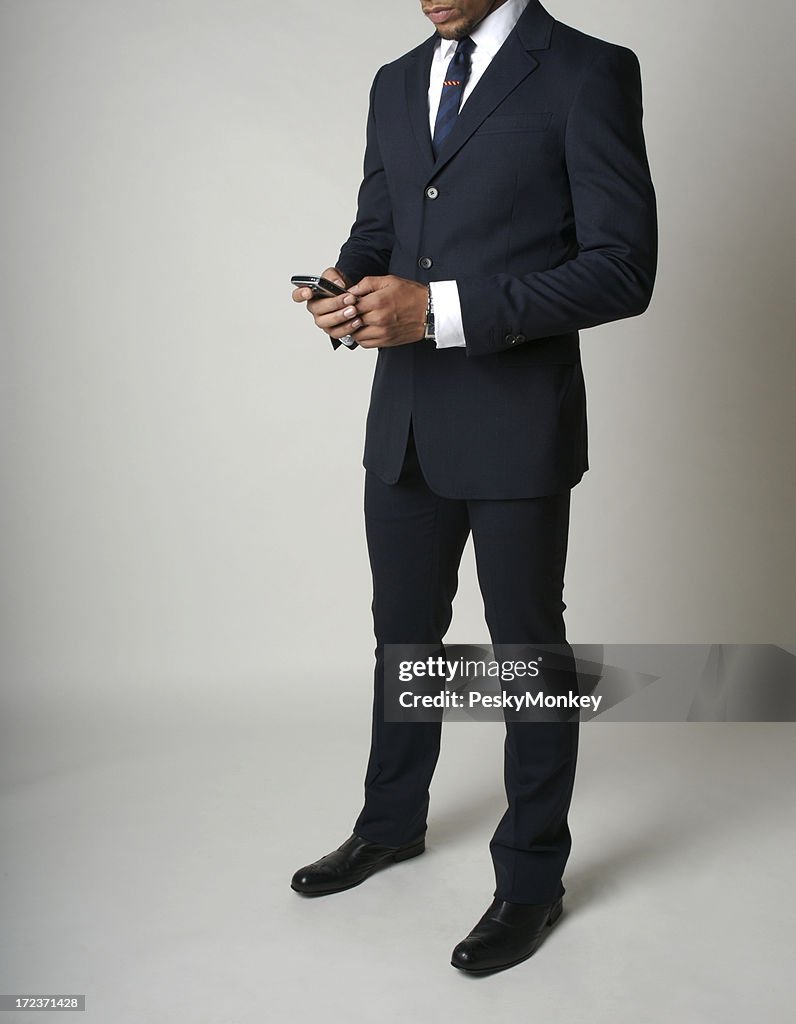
x: 613, y: 199
x: 369, y: 247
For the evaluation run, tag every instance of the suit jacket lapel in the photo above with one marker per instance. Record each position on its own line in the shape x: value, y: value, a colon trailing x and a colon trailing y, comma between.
x: 417, y: 73
x: 508, y: 68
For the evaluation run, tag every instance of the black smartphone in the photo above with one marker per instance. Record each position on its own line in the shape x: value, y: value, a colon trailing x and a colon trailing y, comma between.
x: 320, y: 285
x: 323, y: 286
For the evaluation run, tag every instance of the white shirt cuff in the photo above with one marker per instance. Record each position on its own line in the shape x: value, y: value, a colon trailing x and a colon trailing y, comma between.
x: 448, y: 324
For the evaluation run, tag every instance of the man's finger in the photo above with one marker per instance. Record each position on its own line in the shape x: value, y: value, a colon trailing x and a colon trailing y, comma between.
x: 333, y: 274
x: 331, y: 320
x: 351, y: 327
x: 369, y: 302
x: 368, y: 285
x: 322, y: 306
x: 367, y: 338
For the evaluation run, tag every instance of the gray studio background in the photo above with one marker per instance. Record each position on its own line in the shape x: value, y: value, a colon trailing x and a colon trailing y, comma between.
x: 182, y: 555
x: 181, y: 448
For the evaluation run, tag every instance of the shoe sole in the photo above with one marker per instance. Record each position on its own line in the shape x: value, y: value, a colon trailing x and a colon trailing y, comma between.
x: 396, y: 858
x: 555, y: 914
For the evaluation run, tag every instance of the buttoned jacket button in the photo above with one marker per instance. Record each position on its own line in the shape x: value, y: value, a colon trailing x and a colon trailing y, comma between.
x: 432, y: 192
x: 426, y: 263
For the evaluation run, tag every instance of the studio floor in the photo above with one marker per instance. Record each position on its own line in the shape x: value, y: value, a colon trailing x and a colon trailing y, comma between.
x: 148, y: 845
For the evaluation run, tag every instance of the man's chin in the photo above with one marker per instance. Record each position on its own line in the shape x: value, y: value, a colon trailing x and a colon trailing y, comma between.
x: 452, y: 31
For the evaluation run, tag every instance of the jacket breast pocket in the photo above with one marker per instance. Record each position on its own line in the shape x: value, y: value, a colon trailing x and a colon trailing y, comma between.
x: 500, y: 123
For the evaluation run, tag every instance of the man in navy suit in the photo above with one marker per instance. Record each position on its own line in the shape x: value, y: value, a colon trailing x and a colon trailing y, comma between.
x: 506, y: 205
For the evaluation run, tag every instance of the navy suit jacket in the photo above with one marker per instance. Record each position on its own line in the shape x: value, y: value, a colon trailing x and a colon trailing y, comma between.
x: 540, y: 205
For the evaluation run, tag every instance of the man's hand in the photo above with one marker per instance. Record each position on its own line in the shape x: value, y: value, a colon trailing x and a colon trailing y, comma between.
x: 335, y: 316
x: 392, y: 311
x: 379, y: 311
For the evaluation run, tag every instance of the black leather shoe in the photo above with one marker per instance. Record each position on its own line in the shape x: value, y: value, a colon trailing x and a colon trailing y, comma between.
x: 507, y: 934
x: 356, y: 860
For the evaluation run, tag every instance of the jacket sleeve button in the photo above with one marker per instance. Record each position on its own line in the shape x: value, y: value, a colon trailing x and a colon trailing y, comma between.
x: 426, y: 263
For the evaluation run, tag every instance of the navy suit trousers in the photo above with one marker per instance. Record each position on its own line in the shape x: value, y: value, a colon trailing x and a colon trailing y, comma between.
x: 415, y: 543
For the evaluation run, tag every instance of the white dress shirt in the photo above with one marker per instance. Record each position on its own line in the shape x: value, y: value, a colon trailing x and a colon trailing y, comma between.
x: 489, y: 35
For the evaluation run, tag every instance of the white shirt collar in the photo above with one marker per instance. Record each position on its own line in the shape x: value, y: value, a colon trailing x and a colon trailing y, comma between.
x: 491, y: 33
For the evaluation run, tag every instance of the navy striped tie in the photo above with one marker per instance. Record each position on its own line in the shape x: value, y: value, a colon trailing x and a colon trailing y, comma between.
x: 452, y: 89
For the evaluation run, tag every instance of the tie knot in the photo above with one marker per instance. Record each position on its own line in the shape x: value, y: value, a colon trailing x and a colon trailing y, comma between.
x: 465, y: 47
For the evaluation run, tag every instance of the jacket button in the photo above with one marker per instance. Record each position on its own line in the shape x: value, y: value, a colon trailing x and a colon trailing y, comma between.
x: 510, y: 339
x: 432, y: 192
x: 520, y: 339
x: 426, y: 263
